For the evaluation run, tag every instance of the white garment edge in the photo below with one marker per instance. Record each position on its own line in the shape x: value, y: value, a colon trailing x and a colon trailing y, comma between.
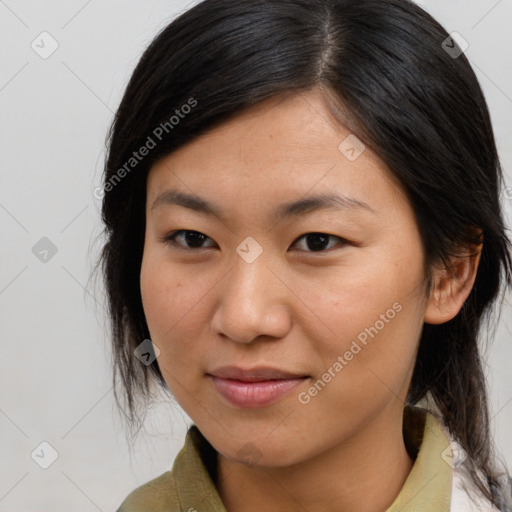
x: 466, y: 497
x: 461, y: 500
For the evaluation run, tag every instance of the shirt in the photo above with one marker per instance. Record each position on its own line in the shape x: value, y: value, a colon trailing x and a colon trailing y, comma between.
x: 435, y: 484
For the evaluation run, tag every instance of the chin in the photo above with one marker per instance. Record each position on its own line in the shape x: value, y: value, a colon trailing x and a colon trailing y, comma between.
x: 259, y: 453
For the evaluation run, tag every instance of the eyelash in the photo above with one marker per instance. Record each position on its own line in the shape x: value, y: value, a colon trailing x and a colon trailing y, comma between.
x: 170, y: 239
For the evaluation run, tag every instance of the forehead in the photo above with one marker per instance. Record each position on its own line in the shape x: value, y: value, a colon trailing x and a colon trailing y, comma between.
x: 282, y: 148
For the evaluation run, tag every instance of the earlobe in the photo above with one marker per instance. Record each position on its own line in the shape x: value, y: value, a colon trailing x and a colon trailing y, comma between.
x: 452, y: 285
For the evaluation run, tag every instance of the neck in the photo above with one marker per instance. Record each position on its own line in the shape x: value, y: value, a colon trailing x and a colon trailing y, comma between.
x: 365, y: 471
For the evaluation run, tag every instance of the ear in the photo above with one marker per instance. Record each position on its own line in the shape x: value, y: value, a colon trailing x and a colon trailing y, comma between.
x: 452, y: 285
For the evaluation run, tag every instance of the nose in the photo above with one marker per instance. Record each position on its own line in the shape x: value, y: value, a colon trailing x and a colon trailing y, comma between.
x: 253, y: 301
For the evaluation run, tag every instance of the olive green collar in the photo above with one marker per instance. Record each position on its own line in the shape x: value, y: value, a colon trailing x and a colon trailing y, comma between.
x: 427, y: 488
x: 429, y: 484
x: 189, y: 486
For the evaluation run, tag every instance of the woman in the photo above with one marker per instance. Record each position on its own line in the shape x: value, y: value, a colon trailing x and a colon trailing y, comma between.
x: 303, y: 237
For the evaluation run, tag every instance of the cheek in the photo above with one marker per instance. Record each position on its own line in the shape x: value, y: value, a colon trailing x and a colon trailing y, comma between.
x: 163, y: 290
x: 370, y: 315
x: 167, y: 302
x: 344, y: 302
x: 174, y: 305
x: 362, y: 369
x: 157, y: 293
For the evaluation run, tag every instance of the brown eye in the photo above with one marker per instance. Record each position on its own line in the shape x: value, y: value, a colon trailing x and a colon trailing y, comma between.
x: 319, y: 242
x: 187, y: 236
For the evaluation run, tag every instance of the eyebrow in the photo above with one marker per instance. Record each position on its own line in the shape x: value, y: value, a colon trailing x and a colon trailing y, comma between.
x: 302, y: 206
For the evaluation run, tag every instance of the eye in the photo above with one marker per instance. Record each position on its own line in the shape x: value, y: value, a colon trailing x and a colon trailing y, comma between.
x: 193, y: 237
x: 318, y: 242
x: 315, y: 242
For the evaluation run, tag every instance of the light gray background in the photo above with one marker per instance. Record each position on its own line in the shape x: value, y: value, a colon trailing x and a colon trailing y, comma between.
x: 54, y: 362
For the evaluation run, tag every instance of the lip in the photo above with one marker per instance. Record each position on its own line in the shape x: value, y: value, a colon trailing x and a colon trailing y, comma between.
x: 255, y: 387
x: 256, y: 374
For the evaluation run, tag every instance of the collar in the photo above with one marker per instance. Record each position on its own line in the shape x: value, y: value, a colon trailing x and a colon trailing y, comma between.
x: 428, y: 486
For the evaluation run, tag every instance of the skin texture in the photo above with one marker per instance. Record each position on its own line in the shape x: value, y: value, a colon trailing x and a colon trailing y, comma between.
x: 293, y: 308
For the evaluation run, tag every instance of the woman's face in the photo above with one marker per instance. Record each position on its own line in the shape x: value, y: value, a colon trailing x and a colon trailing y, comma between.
x: 333, y: 295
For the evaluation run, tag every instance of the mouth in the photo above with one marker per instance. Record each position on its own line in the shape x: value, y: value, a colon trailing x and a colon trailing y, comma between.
x: 256, y: 387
